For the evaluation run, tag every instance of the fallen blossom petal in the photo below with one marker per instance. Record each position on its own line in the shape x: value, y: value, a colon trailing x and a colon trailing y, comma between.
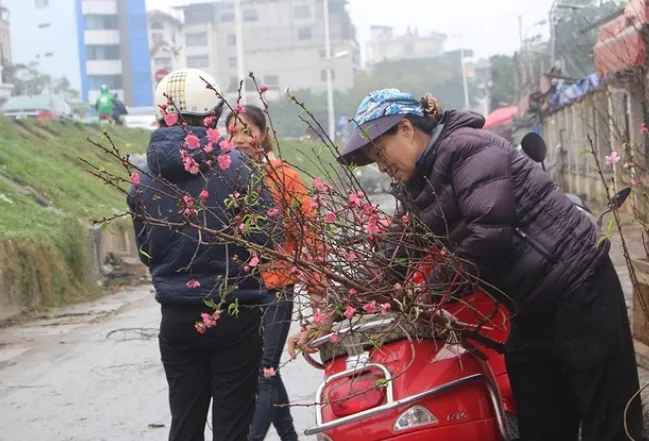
x: 269, y: 372
x: 192, y: 141
x: 224, y: 162
x: 135, y: 179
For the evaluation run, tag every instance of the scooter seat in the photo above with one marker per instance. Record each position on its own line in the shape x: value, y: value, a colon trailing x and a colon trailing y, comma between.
x: 355, y: 342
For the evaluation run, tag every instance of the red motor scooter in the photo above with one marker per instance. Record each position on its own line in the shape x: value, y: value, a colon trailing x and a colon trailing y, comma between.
x: 408, y: 388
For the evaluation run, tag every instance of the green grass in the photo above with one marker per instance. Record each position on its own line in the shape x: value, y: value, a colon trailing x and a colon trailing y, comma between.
x: 51, y: 166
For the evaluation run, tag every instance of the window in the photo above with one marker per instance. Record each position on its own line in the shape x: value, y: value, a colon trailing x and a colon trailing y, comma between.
x: 232, y: 61
x: 304, y: 34
x: 41, y: 3
x: 271, y: 80
x: 198, y: 61
x: 232, y: 39
x: 103, y: 52
x: 101, y: 22
x: 157, y: 25
x: 111, y: 81
x: 250, y: 15
x: 323, y: 74
x: 157, y: 37
x: 43, y: 25
x: 196, y: 39
x: 227, y: 16
x: 302, y: 11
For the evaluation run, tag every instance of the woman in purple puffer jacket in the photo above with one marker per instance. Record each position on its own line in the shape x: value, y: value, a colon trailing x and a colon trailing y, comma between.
x: 570, y: 354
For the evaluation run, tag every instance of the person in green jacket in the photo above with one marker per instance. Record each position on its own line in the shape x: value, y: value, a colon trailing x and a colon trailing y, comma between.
x: 105, y: 104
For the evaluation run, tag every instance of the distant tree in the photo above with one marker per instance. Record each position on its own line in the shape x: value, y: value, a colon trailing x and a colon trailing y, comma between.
x: 28, y: 80
x: 502, y: 89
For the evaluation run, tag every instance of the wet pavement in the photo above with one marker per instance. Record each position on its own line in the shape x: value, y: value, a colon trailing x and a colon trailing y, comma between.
x: 91, y: 372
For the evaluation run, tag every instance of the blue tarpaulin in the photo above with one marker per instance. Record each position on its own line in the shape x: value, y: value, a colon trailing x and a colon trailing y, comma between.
x: 567, y: 94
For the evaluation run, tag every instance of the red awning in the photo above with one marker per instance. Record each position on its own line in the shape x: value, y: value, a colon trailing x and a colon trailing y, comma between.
x: 501, y: 117
x: 620, y: 45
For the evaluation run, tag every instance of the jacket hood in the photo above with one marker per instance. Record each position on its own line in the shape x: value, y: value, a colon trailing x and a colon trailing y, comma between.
x: 455, y: 119
x: 163, y: 154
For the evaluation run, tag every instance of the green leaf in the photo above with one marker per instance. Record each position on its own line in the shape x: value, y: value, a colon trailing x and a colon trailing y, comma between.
x: 233, y: 308
x: 106, y: 227
x: 585, y: 152
x: 602, y: 238
x: 144, y: 253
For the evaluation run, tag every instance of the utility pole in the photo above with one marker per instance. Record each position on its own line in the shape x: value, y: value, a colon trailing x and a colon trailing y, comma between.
x: 330, y: 87
x: 238, y: 35
x: 465, y: 84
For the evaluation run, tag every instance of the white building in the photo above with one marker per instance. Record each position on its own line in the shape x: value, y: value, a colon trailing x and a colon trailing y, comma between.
x: 283, y: 43
x: 384, y: 45
x: 166, y: 43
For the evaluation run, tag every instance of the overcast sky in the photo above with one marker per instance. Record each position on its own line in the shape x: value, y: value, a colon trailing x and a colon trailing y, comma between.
x: 486, y: 26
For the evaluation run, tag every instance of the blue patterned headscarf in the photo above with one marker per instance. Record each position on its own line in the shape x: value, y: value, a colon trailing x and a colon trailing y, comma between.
x: 379, y: 112
x: 387, y: 102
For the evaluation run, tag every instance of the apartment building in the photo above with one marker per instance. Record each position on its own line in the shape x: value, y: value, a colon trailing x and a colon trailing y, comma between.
x: 385, y: 45
x: 165, y: 42
x: 283, y: 43
x: 90, y: 42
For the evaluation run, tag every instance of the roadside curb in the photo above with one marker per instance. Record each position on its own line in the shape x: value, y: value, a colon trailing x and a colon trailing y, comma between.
x: 641, y: 354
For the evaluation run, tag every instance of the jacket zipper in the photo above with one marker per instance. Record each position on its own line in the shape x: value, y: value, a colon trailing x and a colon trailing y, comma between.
x: 537, y: 246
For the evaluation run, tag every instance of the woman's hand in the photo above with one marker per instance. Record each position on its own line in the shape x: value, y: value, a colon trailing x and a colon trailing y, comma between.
x: 300, y: 341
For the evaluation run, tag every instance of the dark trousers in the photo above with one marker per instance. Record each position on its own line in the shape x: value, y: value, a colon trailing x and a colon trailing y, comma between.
x: 272, y: 400
x: 221, y: 365
x: 578, y: 368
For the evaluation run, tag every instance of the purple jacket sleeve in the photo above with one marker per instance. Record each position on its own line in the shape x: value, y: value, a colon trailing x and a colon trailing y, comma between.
x: 485, y: 197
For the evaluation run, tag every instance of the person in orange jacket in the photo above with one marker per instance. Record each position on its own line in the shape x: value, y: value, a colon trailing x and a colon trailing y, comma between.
x: 249, y: 130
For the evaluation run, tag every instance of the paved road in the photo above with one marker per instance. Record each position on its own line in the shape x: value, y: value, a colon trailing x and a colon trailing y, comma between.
x: 92, y: 373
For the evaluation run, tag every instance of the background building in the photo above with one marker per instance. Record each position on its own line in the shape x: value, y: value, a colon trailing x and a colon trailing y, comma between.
x: 283, y: 43
x: 384, y: 45
x: 90, y: 42
x: 166, y: 43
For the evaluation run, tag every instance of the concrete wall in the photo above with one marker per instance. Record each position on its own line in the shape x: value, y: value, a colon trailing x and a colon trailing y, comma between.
x: 27, y: 289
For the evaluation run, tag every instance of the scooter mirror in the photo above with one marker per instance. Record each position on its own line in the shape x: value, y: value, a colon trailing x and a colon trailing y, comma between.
x: 619, y: 198
x: 616, y: 202
x: 534, y: 146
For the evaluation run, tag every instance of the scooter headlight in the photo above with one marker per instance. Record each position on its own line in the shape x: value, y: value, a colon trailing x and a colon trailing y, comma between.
x: 322, y: 437
x: 413, y: 417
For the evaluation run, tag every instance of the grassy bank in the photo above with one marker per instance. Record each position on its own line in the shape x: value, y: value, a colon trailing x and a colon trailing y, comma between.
x: 44, y: 251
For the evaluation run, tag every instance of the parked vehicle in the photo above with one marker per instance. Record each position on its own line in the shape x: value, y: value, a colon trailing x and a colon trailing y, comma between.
x: 430, y: 390
x: 44, y: 106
